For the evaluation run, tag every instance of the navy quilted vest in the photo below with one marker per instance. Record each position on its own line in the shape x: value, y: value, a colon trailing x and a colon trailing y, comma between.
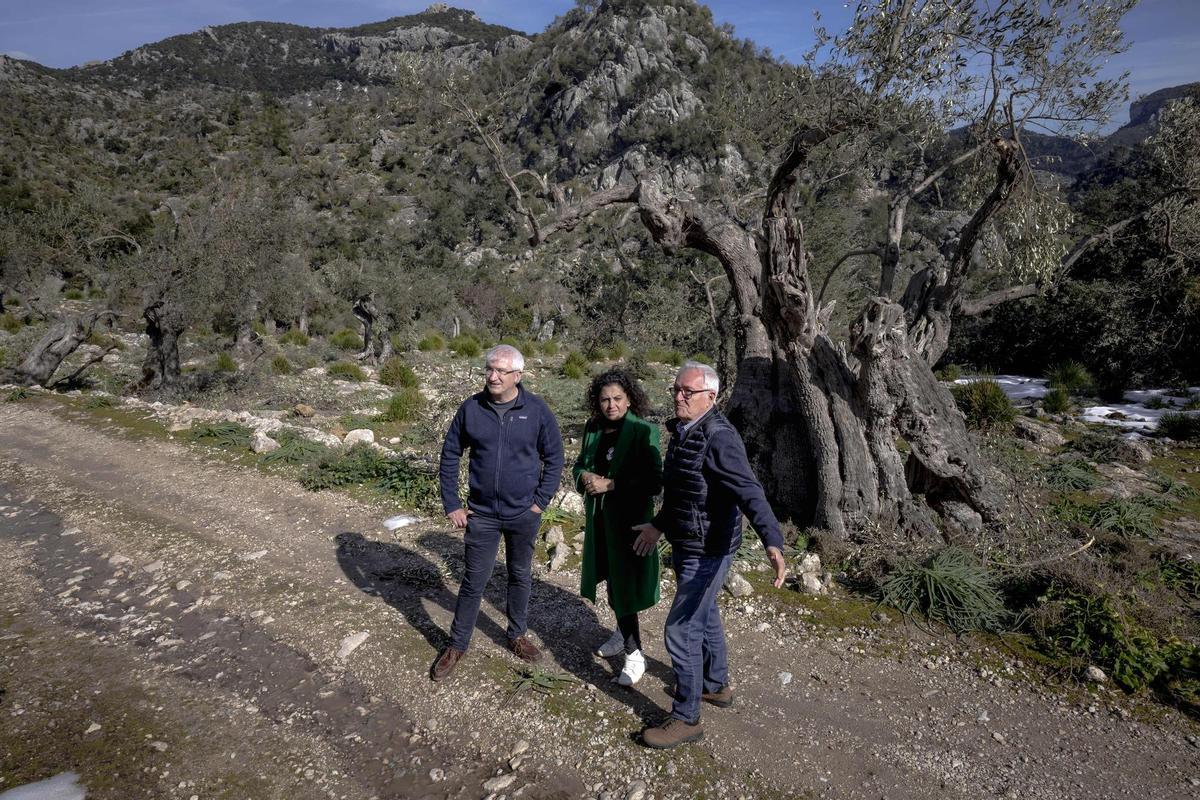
x: 685, y: 492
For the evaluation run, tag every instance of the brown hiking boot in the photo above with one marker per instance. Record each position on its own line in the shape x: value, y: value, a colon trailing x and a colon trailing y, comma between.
x: 721, y: 699
x: 446, y: 663
x: 524, y: 649
x: 672, y: 733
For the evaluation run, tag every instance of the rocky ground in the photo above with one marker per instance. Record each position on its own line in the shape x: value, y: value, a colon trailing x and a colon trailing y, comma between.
x: 176, y: 625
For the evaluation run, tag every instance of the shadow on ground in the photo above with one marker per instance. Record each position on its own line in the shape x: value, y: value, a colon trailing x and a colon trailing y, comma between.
x: 566, y: 624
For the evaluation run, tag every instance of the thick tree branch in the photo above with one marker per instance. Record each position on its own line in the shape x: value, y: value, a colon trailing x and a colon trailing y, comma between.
x: 977, y: 306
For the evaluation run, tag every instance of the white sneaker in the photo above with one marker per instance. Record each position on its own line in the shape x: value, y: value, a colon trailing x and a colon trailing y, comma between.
x: 635, y: 667
x: 614, y: 646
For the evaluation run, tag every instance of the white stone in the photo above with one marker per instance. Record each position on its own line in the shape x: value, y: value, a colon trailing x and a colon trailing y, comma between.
x: 1095, y: 674
x: 737, y: 586
x: 261, y: 443
x: 359, y: 436
x: 499, y: 783
x: 351, y: 643
x: 811, y: 584
x: 785, y: 678
x: 810, y: 564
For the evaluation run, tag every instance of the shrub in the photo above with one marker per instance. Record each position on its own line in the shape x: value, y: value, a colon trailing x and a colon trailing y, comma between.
x: 1180, y: 426
x: 346, y: 371
x: 575, y: 365
x: 18, y: 394
x: 221, y: 434
x: 1056, y: 401
x: 1072, y: 376
x: 1070, y: 476
x: 360, y: 464
x: 466, y: 346
x: 10, y: 323
x: 549, y: 347
x: 663, y: 356
x: 1097, y: 446
x: 294, y: 336
x: 281, y: 366
x: 527, y: 347
x: 412, y: 484
x: 1156, y: 402
x: 395, y: 372
x: 952, y: 587
x: 405, y: 405
x: 431, y: 341
x: 984, y: 404
x: 73, y: 294
x: 98, y: 401
x: 346, y: 339
x: 1123, y: 517
x: 949, y: 373
x: 295, y: 449
x: 225, y: 363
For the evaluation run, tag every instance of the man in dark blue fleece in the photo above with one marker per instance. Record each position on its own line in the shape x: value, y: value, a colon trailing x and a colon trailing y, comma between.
x: 707, y: 486
x: 515, y: 468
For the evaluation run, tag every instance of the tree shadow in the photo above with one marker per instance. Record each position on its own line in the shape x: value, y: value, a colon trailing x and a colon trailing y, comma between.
x: 566, y: 624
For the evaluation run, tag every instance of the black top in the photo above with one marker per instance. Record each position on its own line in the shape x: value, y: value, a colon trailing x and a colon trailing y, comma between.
x: 605, y: 447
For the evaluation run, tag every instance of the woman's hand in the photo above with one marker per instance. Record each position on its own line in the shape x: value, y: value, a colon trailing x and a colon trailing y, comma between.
x: 593, y: 484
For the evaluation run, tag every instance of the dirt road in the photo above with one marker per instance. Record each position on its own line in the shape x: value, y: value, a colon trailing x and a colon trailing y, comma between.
x: 172, y: 625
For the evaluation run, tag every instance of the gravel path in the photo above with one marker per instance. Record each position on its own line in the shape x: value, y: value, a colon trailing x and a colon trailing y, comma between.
x: 176, y: 626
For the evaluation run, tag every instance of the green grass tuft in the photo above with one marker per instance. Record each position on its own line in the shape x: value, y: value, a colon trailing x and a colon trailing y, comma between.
x: 221, y: 434
x: 404, y: 406
x: 984, y: 404
x: 346, y: 371
x: 395, y: 372
x: 951, y: 587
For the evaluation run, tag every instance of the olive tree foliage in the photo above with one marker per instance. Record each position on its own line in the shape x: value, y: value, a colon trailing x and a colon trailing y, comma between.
x: 211, y: 260
x: 822, y: 408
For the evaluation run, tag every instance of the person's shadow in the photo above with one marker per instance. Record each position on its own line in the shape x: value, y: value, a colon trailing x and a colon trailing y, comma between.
x: 565, y: 623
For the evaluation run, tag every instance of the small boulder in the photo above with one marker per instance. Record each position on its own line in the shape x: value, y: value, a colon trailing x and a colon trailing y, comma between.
x: 559, y: 555
x: 1040, y: 434
x: 261, y: 443
x: 1095, y: 675
x: 304, y: 410
x: 811, y: 583
x: 736, y: 585
x: 1133, y: 451
x: 359, y: 436
x: 554, y: 535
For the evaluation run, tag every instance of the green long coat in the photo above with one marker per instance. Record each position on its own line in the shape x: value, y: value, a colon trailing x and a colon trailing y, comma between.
x: 636, y: 467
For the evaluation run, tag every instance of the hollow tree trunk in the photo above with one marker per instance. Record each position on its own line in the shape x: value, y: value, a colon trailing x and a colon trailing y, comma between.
x: 56, y: 344
x: 160, y: 368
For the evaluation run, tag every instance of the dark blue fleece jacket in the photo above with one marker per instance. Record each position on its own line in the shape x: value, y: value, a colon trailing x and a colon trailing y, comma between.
x: 512, y: 465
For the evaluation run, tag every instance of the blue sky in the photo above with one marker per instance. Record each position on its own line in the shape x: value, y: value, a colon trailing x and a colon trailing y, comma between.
x: 62, y: 33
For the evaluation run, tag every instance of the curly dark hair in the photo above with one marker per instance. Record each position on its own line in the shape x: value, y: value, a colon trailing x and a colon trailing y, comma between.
x: 639, y: 404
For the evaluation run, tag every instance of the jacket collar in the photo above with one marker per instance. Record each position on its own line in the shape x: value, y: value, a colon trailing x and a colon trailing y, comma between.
x: 675, y: 424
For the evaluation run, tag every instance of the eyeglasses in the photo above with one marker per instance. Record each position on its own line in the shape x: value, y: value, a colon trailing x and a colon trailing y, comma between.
x: 687, y: 393
x: 497, y: 371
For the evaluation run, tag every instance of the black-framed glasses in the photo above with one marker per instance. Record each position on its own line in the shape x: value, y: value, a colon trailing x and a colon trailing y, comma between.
x: 503, y: 373
x: 687, y: 393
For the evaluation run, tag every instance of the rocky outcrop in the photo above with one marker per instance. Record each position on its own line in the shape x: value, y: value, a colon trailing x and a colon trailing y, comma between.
x: 420, y: 46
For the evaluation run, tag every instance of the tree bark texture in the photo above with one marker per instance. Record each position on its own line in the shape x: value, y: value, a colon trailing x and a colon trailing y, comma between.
x: 47, y: 355
x: 160, y: 368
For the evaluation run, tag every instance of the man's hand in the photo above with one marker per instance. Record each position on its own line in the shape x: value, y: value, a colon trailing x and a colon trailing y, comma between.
x: 458, y: 517
x: 647, y: 539
x: 775, y: 556
x: 535, y: 508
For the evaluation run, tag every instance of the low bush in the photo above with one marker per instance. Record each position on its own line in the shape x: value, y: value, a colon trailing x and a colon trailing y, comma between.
x: 1073, y: 377
x: 549, y: 347
x: 358, y: 465
x: 984, y: 404
x: 10, y: 323
x: 73, y: 294
x: 404, y: 406
x: 663, y: 355
x: 1070, y: 476
x: 345, y: 371
x: 949, y: 373
x: 574, y: 366
x: 1123, y: 517
x: 98, y: 401
x: 951, y: 587
x: 1056, y: 401
x: 395, y: 372
x: 295, y: 449
x: 1157, y: 402
x: 430, y: 342
x: 466, y: 346
x: 294, y: 336
x: 1097, y: 446
x: 225, y: 363
x: 221, y: 434
x: 281, y: 366
x: 412, y: 484
x: 1180, y: 426
x: 346, y: 339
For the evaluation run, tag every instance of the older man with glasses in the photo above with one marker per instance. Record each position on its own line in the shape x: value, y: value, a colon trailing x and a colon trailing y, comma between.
x: 515, y: 467
x: 707, y: 486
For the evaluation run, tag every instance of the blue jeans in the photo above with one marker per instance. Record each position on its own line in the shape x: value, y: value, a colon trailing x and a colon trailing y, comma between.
x: 482, y: 538
x: 694, y: 637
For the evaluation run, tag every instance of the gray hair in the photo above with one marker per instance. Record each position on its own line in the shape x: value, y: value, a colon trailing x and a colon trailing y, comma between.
x: 505, y: 351
x: 711, y: 379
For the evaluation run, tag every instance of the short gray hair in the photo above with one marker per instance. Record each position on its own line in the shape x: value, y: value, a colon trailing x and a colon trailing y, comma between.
x: 505, y: 351
x: 711, y: 379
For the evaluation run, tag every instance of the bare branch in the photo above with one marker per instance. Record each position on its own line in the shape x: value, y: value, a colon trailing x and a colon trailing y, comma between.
x: 873, y: 251
x: 972, y: 308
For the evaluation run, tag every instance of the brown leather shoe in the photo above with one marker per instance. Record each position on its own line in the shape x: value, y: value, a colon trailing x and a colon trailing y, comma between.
x: 524, y: 649
x: 446, y: 663
x: 721, y: 699
x: 672, y: 733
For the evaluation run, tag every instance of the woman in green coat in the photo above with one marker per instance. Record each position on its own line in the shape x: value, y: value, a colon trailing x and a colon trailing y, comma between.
x: 619, y: 471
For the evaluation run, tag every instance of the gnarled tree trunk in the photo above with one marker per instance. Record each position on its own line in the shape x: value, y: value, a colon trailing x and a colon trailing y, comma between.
x: 160, y: 368
x: 47, y: 355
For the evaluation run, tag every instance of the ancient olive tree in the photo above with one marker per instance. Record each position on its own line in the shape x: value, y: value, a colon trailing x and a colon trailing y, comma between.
x: 849, y: 428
